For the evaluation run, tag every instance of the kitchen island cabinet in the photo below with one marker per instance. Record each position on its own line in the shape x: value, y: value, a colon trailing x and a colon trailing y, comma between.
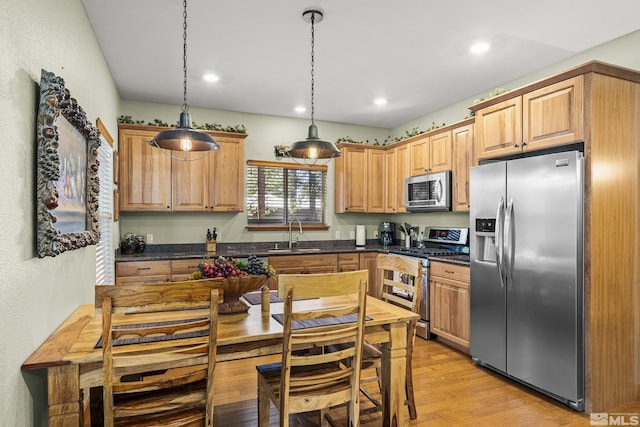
x: 544, y: 118
x: 150, y: 180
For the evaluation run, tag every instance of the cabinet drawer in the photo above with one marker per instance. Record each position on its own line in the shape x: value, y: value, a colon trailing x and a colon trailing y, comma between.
x: 300, y: 261
x: 143, y: 280
x: 144, y: 268
x: 450, y: 271
x: 350, y: 258
x: 186, y: 266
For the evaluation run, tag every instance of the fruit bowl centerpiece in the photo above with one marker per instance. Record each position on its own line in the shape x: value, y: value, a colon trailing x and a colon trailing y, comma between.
x: 238, y: 277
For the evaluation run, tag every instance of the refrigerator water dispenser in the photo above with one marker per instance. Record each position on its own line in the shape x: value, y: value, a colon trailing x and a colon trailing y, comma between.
x: 486, y: 239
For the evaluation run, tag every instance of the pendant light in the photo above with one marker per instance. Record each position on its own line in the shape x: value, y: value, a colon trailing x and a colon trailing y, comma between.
x: 309, y: 151
x: 184, y: 138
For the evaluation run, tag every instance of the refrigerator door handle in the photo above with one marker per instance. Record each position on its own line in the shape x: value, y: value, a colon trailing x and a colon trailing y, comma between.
x: 500, y: 239
x: 509, y: 245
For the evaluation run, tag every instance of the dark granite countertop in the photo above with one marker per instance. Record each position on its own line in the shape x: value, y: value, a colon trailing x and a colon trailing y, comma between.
x: 242, y: 250
x: 452, y: 259
x: 265, y: 249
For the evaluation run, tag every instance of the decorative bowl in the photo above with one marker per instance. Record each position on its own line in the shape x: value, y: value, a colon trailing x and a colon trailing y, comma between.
x: 233, y: 288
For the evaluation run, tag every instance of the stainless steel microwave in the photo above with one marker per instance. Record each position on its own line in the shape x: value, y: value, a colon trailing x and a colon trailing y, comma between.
x: 428, y: 193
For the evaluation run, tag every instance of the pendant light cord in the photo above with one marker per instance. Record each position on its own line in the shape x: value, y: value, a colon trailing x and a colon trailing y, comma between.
x: 313, y: 15
x: 185, y: 106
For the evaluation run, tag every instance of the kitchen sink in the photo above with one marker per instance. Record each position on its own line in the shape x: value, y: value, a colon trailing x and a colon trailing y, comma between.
x: 288, y: 251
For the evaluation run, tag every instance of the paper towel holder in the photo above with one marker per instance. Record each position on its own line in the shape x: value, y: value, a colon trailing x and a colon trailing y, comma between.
x: 361, y: 236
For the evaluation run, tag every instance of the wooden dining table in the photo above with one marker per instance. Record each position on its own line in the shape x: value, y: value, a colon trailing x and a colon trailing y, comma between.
x: 74, y: 364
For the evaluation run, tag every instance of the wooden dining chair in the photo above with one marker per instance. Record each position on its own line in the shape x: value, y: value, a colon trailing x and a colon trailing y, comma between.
x: 310, y: 380
x: 159, y: 373
x: 401, y: 284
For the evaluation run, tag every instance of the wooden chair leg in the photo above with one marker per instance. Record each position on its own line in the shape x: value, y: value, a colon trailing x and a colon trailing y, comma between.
x: 413, y: 414
x: 263, y: 405
x: 325, y: 418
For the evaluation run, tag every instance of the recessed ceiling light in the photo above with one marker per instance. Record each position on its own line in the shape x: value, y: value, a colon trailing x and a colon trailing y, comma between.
x: 380, y: 101
x: 300, y: 109
x: 479, y: 48
x: 212, y: 78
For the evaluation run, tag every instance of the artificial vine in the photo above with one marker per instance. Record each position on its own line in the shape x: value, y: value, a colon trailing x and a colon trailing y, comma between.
x: 207, y: 126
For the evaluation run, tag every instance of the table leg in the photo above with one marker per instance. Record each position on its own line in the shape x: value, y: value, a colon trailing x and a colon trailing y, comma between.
x: 393, y: 371
x: 64, y: 396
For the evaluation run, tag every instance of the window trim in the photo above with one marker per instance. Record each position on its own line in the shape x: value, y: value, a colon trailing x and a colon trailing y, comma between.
x: 286, y: 165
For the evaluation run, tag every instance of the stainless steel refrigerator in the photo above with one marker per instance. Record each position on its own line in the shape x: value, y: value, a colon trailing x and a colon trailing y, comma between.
x: 526, y: 248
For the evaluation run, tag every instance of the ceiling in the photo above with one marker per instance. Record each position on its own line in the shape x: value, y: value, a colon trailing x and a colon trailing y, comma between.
x: 413, y: 52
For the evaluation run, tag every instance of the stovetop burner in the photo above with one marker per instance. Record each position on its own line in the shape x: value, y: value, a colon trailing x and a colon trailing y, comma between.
x: 425, y: 252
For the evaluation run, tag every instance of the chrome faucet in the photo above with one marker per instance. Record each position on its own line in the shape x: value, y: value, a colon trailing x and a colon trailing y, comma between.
x: 290, y: 238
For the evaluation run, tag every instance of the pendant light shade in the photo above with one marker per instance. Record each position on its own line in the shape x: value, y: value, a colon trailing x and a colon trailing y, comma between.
x: 313, y: 148
x: 184, y: 138
x: 309, y: 151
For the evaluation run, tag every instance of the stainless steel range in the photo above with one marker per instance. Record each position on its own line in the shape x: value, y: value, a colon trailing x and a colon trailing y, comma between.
x: 438, y: 242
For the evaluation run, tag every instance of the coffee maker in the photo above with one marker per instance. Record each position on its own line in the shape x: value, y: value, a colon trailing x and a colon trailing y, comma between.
x: 387, y: 233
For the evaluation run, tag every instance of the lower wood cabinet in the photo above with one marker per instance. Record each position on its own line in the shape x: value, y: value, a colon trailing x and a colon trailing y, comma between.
x: 181, y: 269
x: 302, y: 264
x: 143, y: 272
x: 348, y: 262
x: 369, y: 261
x: 449, y: 303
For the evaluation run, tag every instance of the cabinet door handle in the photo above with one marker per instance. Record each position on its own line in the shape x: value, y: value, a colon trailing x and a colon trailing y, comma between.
x: 516, y: 145
x: 523, y: 144
x: 449, y: 271
x: 144, y: 268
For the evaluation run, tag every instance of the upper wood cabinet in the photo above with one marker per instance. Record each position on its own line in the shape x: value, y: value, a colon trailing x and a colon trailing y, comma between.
x: 431, y: 153
x: 350, y: 181
x: 227, y: 192
x: 397, y: 169
x: 376, y: 180
x: 391, y: 187
x: 360, y: 178
x: 150, y: 180
x: 145, y: 172
x: 543, y: 118
x: 462, y: 138
x: 419, y: 156
x: 440, y: 151
x: 403, y: 159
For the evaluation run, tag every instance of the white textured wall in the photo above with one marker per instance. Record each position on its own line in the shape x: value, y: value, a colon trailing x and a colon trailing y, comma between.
x: 36, y: 295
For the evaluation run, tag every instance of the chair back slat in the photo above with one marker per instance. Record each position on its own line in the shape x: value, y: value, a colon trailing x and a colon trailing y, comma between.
x: 174, y: 360
x: 318, y: 378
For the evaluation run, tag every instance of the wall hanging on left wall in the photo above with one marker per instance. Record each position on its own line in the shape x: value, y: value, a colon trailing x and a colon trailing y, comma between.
x: 67, y: 184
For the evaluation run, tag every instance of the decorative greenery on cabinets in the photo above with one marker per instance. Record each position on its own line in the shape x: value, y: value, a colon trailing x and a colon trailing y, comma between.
x: 207, y: 126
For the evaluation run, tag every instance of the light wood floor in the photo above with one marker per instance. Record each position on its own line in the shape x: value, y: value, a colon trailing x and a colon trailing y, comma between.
x: 450, y: 391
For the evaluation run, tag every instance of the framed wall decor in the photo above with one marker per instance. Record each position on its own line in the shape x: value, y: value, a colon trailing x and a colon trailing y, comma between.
x: 67, y: 184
